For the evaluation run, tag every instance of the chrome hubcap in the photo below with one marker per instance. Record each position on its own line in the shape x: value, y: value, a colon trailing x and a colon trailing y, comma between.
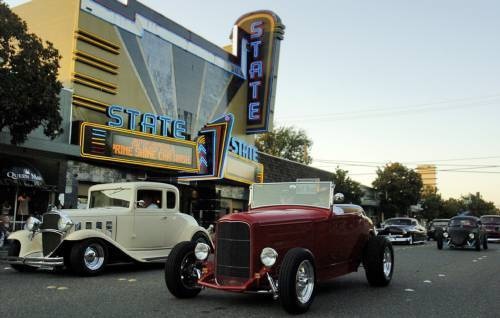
x: 93, y: 257
x: 387, y: 261
x: 304, y: 281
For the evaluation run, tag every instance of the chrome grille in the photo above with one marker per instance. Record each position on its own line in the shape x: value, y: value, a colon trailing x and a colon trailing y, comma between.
x: 233, y: 250
x: 49, y: 221
x: 458, y: 237
x: 50, y: 239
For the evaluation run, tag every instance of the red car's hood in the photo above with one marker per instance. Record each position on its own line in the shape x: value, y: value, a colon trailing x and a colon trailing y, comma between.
x: 281, y: 214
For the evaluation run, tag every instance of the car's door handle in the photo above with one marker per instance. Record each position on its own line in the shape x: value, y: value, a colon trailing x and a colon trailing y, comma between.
x: 164, y: 217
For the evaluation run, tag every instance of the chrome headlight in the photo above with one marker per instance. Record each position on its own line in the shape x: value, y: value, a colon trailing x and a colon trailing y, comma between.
x: 471, y: 235
x: 33, y: 224
x: 201, y: 251
x: 445, y: 234
x: 64, y: 223
x: 268, y: 256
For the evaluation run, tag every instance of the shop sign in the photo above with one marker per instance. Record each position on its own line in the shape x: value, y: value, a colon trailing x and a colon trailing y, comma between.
x: 24, y: 175
x: 243, y: 170
x: 147, y: 122
x: 243, y: 149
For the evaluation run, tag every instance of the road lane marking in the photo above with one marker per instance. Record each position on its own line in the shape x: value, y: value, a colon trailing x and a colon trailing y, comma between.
x: 441, y: 275
x: 51, y: 287
x: 132, y: 280
x: 122, y: 279
x: 474, y: 260
x: 427, y: 281
x: 409, y: 290
x: 6, y: 268
x: 62, y: 288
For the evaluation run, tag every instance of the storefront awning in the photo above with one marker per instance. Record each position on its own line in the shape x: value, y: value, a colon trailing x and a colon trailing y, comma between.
x: 20, y: 173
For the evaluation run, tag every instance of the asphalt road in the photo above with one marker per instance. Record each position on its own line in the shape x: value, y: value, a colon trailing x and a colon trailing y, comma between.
x: 426, y: 283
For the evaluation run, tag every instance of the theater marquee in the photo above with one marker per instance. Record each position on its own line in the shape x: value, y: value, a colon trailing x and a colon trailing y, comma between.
x: 121, y: 145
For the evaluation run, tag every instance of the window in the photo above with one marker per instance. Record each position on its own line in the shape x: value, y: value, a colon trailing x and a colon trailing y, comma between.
x: 110, y: 198
x: 170, y: 200
x: 151, y: 199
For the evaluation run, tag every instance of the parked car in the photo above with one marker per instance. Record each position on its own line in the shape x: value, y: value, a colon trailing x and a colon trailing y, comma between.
x: 136, y: 221
x: 292, y: 238
x: 403, y: 230
x: 462, y: 231
x: 435, y: 224
x: 491, y: 224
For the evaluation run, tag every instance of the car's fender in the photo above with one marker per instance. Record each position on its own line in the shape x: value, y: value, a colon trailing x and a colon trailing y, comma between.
x: 190, y: 228
x: 81, y: 235
x: 30, y: 243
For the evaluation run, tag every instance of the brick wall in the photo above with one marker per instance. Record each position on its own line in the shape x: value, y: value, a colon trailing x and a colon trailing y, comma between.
x: 282, y: 170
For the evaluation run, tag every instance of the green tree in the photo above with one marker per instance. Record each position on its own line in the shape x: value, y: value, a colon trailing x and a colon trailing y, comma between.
x: 399, y: 188
x: 477, y: 205
x: 349, y: 188
x: 432, y: 204
x: 286, y: 142
x: 452, y: 207
x: 28, y: 75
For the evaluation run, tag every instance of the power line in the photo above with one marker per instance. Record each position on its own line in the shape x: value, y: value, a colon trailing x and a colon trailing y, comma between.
x: 410, y: 162
x: 388, y: 114
x: 394, y: 110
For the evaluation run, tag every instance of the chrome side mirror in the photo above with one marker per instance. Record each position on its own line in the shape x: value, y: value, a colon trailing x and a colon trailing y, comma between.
x: 338, y: 197
x: 141, y: 204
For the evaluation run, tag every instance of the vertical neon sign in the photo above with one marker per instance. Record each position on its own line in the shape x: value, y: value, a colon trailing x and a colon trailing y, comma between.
x: 261, y: 34
x: 255, y: 71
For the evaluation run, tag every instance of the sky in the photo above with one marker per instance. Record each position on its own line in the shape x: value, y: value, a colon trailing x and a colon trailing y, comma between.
x: 382, y: 81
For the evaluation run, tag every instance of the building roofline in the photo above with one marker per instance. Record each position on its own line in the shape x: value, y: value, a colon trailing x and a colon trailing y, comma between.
x: 134, y: 7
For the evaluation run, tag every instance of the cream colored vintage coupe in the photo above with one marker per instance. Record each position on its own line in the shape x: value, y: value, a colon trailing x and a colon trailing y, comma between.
x: 124, y: 222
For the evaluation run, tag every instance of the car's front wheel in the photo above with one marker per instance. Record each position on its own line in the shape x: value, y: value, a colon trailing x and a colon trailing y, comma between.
x: 485, y: 242
x: 297, y: 281
x: 478, y: 244
x: 180, y: 271
x: 88, y: 258
x: 13, y: 251
x: 410, y: 241
x: 439, y: 242
x: 378, y: 261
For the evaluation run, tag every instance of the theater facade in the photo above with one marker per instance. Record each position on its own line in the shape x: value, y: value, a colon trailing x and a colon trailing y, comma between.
x: 146, y: 99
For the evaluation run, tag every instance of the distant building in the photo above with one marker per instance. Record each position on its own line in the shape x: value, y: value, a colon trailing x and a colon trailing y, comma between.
x: 428, y: 174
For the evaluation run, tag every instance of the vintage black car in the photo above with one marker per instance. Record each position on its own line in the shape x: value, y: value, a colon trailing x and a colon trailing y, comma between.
x: 403, y: 230
x: 491, y: 225
x: 462, y: 231
x: 435, y: 224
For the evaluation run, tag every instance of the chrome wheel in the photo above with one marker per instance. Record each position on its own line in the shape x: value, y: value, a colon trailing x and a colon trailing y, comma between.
x: 93, y: 257
x: 387, y: 262
x: 304, y: 281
